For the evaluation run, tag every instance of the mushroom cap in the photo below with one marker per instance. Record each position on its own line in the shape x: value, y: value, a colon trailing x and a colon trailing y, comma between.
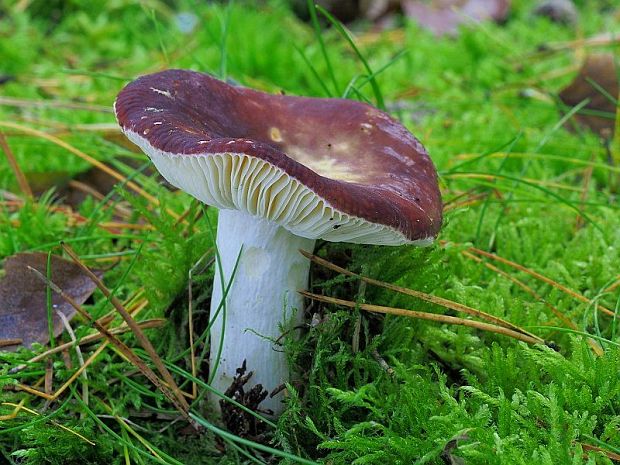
x: 324, y: 168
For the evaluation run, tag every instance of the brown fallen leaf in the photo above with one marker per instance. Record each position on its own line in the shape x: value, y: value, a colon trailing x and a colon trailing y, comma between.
x: 447, y: 454
x: 348, y: 11
x: 596, y: 81
x: 384, y: 15
x: 558, y: 11
x: 343, y: 10
x: 23, y: 302
x: 444, y: 16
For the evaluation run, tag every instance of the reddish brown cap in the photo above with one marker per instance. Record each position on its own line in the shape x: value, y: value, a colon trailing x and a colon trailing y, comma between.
x: 322, y: 168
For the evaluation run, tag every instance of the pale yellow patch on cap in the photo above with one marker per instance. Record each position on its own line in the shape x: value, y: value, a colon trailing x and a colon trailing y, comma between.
x: 275, y: 134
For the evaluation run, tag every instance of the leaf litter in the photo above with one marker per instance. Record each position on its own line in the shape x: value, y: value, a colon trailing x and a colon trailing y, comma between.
x: 596, y: 83
x: 23, y: 297
x: 443, y: 17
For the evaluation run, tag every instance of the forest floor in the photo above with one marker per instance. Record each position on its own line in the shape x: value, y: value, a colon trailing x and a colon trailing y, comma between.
x: 531, y: 235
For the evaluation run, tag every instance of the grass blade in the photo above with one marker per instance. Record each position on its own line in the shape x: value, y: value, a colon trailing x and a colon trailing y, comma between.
x: 319, y: 36
x: 347, y: 35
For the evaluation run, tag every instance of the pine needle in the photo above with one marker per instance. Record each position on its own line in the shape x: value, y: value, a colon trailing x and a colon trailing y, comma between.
x: 426, y: 297
x: 540, y: 277
x: 424, y: 316
x: 135, y: 328
x: 19, y: 174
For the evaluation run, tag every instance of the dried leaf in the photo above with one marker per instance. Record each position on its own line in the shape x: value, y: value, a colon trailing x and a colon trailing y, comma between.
x: 23, y: 302
x: 239, y: 421
x: 4, y: 78
x: 448, y: 457
x: 444, y: 16
x: 597, y: 81
x: 348, y: 11
x: 343, y: 10
x: 377, y: 10
x: 558, y: 11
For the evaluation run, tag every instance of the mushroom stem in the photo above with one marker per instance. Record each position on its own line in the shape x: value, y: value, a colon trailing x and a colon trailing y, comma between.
x: 262, y: 302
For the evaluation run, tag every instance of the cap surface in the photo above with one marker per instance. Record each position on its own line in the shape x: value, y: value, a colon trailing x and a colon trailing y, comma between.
x: 334, y: 169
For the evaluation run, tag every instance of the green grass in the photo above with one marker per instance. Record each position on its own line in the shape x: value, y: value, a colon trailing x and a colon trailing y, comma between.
x: 502, y: 402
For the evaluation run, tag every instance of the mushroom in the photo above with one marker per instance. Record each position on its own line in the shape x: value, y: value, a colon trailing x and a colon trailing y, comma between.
x: 283, y: 171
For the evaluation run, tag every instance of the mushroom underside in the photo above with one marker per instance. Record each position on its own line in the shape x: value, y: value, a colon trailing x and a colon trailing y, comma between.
x: 252, y: 185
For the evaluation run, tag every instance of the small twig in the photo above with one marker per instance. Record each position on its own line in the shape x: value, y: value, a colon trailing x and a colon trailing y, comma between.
x: 600, y: 40
x: 185, y: 214
x: 610, y: 455
x: 10, y: 342
x: 75, y: 218
x: 473, y: 200
x: 78, y: 353
x: 89, y: 190
x: 103, y: 167
x: 156, y: 323
x: 468, y: 194
x: 49, y: 377
x: 51, y: 397
x: 19, y: 174
x: 96, y: 163
x: 382, y: 363
x: 277, y: 390
x: 15, y: 411
x: 130, y: 430
x: 614, y: 286
x: 125, y: 419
